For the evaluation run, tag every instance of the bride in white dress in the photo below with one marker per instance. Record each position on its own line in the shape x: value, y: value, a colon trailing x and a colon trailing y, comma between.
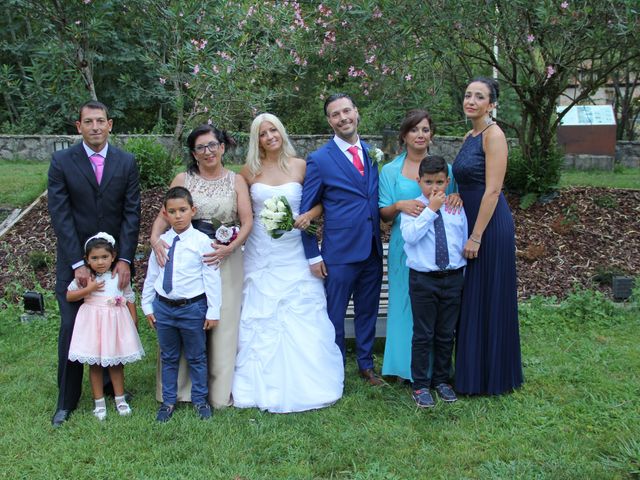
x: 287, y: 357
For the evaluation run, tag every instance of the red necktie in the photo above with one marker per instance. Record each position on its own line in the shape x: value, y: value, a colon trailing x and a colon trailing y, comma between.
x: 98, y: 162
x: 357, y: 162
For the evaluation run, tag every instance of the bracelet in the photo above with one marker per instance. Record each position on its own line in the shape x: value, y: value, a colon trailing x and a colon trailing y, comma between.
x: 474, y: 240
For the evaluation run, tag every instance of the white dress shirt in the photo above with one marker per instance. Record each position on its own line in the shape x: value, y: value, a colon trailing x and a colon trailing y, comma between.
x: 191, y: 276
x: 420, y: 238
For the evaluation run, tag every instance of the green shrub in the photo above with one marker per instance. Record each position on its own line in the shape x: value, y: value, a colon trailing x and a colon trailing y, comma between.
x: 538, y: 174
x: 39, y: 260
x: 528, y: 200
x: 155, y: 164
x: 605, y: 201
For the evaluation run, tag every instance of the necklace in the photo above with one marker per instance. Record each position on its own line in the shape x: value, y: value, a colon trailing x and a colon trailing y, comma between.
x: 212, y: 177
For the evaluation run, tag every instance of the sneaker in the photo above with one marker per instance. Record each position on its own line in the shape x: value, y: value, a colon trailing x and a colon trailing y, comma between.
x: 164, y: 413
x: 446, y: 393
x: 423, y: 398
x: 100, y: 413
x: 204, y: 410
x: 123, y: 409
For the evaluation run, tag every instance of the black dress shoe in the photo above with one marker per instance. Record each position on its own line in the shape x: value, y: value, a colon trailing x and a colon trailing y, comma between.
x: 60, y: 417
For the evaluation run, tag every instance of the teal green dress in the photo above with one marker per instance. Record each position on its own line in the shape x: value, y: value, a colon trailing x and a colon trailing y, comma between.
x: 397, y: 351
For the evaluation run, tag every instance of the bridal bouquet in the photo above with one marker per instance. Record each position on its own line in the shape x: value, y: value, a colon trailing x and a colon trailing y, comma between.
x: 277, y: 217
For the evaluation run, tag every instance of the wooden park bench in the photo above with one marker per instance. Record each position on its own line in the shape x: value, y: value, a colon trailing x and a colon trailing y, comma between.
x: 383, y: 309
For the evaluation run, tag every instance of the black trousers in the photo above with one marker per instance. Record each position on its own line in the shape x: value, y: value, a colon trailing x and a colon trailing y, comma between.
x: 435, y: 302
x: 69, y: 373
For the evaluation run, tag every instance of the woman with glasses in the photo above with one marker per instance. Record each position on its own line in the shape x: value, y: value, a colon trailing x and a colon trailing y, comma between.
x: 221, y: 198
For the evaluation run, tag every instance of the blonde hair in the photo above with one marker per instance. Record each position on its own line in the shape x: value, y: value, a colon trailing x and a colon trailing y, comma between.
x: 255, y: 154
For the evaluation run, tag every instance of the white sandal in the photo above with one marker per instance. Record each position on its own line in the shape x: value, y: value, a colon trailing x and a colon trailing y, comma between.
x: 123, y: 409
x: 100, y: 413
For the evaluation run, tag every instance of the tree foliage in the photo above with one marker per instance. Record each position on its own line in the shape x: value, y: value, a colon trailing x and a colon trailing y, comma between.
x: 165, y: 65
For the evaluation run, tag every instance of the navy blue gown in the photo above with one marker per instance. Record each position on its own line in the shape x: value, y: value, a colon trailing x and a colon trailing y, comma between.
x: 488, y: 340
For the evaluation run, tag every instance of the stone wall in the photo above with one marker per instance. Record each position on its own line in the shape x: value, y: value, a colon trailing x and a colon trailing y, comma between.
x: 40, y: 147
x: 628, y: 153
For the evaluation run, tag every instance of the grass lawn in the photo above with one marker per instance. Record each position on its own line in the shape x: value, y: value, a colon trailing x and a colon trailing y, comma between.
x: 21, y: 182
x: 578, y: 416
x: 619, y: 178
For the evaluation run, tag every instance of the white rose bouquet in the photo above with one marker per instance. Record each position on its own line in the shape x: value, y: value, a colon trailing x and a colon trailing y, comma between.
x: 277, y: 217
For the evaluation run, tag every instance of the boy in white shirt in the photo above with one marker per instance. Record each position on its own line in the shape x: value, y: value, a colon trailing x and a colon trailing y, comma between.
x: 181, y: 300
x: 433, y: 244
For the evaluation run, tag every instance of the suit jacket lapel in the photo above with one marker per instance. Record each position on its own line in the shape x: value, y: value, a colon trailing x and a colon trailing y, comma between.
x: 110, y: 164
x: 83, y: 165
x: 343, y: 162
x: 368, y: 165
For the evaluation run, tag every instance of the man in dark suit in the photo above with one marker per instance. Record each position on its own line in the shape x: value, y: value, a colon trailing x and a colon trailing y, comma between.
x: 341, y: 177
x: 93, y: 187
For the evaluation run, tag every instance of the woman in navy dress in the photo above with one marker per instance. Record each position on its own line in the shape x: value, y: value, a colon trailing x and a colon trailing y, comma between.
x: 488, y: 341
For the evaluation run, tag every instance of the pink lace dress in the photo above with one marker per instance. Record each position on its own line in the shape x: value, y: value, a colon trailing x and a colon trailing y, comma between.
x: 104, y: 332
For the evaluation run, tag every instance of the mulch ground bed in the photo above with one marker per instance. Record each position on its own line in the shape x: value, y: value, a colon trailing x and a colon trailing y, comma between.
x: 580, y: 238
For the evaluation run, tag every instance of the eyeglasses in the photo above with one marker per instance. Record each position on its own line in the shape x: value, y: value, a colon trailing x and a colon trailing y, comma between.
x: 212, y: 146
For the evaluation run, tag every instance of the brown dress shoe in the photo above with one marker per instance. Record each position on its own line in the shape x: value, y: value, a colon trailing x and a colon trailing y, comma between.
x: 370, y: 376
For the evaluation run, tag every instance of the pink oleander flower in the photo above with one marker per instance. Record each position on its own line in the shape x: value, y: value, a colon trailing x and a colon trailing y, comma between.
x: 564, y: 5
x: 550, y: 71
x: 530, y: 38
x: 196, y: 70
x: 408, y: 77
x: 162, y: 80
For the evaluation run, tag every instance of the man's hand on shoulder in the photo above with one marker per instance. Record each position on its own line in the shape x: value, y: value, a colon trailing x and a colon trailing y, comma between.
x: 82, y: 274
x: 123, y: 269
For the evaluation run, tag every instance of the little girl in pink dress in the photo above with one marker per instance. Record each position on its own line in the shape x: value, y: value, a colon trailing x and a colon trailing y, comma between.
x: 105, y: 331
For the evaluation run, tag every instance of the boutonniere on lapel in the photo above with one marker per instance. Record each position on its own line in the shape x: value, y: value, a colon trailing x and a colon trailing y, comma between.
x: 376, y: 155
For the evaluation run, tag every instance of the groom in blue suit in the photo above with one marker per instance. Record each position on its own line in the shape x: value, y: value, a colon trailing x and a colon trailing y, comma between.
x: 341, y: 176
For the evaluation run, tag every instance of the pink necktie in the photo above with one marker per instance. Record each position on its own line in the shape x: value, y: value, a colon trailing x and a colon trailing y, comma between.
x: 98, y: 162
x: 357, y: 162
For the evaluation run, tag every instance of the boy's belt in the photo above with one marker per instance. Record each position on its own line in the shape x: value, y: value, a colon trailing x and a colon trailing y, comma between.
x: 181, y: 301
x: 443, y: 273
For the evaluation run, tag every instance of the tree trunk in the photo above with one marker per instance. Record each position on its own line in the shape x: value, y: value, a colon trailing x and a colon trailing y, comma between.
x: 86, y: 72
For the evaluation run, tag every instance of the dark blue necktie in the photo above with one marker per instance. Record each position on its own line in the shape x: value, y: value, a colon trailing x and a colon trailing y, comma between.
x: 442, y: 252
x: 167, y: 281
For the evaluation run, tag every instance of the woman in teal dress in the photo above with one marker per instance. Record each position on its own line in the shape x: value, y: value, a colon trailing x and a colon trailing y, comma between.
x: 398, y: 191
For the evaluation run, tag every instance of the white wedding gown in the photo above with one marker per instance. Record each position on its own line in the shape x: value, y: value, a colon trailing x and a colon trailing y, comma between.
x: 287, y: 357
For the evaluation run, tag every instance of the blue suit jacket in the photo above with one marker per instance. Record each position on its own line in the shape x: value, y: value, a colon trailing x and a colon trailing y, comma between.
x: 80, y: 208
x: 350, y: 201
